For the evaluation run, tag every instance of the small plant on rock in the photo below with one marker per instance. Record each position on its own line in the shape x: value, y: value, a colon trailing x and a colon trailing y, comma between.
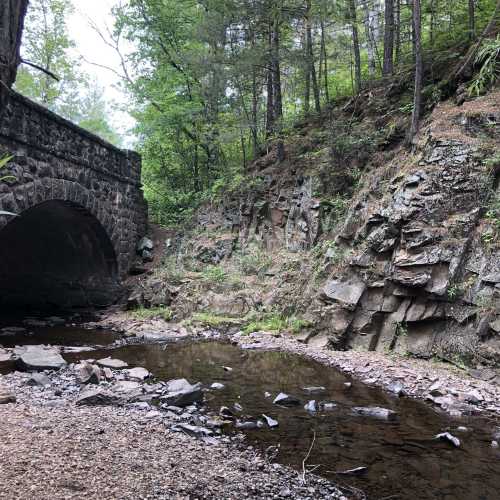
x: 164, y: 313
x: 214, y: 274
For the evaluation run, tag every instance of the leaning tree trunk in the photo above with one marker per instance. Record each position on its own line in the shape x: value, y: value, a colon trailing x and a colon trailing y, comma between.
x: 12, y: 13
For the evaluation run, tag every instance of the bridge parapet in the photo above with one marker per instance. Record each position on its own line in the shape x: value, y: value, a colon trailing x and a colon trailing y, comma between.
x: 54, y: 159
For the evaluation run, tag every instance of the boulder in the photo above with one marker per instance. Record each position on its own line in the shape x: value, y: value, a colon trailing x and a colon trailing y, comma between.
x: 217, y: 386
x: 270, y: 421
x: 346, y: 293
x: 88, y: 373
x: 311, y: 406
x: 138, y: 373
x: 181, y: 393
x: 145, y: 244
x: 39, y: 358
x: 115, y: 364
x: 283, y: 399
x: 446, y: 436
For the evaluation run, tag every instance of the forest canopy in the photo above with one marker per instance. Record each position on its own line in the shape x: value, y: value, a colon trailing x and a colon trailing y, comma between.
x: 214, y: 84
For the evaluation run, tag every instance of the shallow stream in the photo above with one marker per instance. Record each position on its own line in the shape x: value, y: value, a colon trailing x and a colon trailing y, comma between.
x: 402, y: 458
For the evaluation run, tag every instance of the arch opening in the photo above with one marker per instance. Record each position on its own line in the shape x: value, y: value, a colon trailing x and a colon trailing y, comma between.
x: 57, y: 255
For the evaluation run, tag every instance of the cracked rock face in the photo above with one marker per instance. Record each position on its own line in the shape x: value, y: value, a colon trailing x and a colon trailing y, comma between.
x: 421, y: 276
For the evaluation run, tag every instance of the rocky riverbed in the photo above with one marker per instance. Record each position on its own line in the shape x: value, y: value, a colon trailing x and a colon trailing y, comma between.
x: 62, y: 451
x: 456, y: 390
x: 99, y: 409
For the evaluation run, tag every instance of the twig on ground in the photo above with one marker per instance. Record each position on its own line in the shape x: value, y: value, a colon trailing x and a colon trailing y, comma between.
x: 307, y: 456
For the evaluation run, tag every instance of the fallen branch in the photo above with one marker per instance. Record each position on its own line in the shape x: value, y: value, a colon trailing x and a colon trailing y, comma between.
x: 306, y: 458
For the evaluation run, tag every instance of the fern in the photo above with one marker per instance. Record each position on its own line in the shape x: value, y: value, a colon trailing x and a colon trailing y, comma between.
x: 488, y: 57
x: 3, y: 162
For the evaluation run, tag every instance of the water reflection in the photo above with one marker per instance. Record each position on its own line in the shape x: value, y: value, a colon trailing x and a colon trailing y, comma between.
x: 403, y: 459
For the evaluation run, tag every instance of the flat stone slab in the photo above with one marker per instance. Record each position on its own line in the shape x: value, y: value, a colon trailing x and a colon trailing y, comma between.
x: 39, y: 358
x: 116, y: 364
x: 138, y: 373
x: 346, y: 293
x: 6, y: 396
x: 5, y: 355
x: 99, y: 397
x: 375, y: 412
x: 181, y: 393
x: 154, y: 336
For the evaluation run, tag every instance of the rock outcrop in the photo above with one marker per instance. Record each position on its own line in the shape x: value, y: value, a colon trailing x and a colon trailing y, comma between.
x: 423, y: 272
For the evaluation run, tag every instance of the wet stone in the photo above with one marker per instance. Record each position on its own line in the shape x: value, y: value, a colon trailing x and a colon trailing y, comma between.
x: 375, y: 412
x: 314, y: 390
x: 138, y: 373
x: 283, y: 399
x: 116, y: 364
x: 39, y: 358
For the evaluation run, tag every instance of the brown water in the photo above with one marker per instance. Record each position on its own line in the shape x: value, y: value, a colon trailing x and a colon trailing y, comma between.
x: 403, y: 459
x: 62, y: 335
x: 74, y: 336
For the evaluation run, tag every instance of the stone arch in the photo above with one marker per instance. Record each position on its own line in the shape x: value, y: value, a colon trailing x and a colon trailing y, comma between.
x: 63, y: 248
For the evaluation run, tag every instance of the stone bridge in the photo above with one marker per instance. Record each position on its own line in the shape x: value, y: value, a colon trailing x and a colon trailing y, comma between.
x: 80, y: 211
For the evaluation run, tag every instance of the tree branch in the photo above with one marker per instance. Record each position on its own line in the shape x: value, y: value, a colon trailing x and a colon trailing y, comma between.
x: 40, y: 68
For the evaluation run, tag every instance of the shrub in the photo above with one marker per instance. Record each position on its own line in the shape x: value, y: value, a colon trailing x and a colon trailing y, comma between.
x: 164, y: 313
x: 254, y: 262
x: 214, y: 274
x: 214, y: 320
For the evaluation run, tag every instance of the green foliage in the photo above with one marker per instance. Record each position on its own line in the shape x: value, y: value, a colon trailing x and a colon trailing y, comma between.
x: 275, y: 322
x: 214, y: 274
x: 154, y: 313
x: 488, y: 57
x: 492, y: 233
x: 214, y: 320
x: 47, y: 43
x: 453, y: 292
x: 254, y: 261
x: 3, y: 163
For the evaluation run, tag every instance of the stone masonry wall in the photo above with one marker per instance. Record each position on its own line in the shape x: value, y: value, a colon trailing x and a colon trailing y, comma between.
x: 54, y: 159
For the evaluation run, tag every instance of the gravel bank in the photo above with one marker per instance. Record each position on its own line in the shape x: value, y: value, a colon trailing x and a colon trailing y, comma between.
x: 103, y: 453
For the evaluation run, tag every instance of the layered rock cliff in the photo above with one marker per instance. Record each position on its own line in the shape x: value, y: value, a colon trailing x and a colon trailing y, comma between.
x: 374, y: 246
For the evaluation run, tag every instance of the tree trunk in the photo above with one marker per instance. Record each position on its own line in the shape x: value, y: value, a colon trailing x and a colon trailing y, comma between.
x: 307, y: 77
x: 275, y: 50
x: 417, y: 99
x: 255, y: 109
x: 270, y: 89
x: 12, y: 13
x: 355, y: 46
x: 325, y: 62
x: 432, y: 22
x: 397, y: 31
x: 472, y: 21
x: 388, y: 65
x: 370, y: 39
